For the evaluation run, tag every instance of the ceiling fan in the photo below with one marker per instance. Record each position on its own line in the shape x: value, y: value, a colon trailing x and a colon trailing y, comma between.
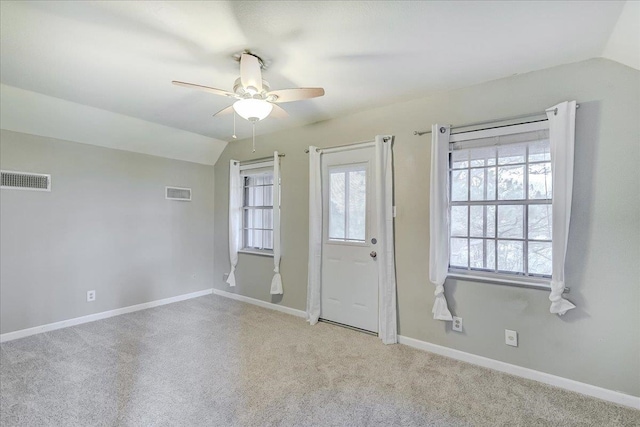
x: 254, y: 99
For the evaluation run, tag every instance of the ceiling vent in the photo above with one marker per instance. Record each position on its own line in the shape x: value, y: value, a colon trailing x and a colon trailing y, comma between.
x: 26, y: 181
x: 178, y: 193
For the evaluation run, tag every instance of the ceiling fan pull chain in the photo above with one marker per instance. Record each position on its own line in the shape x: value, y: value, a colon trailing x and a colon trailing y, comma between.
x: 234, y: 125
x: 253, y: 125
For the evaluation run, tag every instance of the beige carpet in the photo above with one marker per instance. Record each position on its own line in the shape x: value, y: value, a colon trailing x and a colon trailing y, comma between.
x: 217, y: 362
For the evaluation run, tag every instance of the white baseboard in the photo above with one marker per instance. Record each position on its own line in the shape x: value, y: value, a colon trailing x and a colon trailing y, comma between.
x: 264, y: 304
x: 519, y: 371
x: 9, y: 336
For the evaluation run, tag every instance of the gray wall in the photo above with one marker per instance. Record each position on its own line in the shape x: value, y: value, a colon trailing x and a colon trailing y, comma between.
x: 104, y: 226
x: 597, y: 343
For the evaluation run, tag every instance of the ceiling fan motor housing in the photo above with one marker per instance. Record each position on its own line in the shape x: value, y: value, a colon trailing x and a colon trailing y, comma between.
x: 247, y: 92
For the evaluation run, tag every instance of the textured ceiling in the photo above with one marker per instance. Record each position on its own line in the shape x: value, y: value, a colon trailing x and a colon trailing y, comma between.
x: 122, y: 56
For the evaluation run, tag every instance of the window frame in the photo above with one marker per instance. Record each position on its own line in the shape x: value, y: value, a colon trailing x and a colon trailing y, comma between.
x: 506, y: 278
x: 245, y: 171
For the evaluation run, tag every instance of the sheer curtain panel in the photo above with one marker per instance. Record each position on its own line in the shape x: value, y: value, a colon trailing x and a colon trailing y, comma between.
x: 315, y: 237
x: 388, y: 329
x: 276, y: 282
x: 439, y: 219
x: 235, y: 217
x: 562, y: 118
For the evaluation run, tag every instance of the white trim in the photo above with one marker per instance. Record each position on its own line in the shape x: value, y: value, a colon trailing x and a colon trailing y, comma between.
x: 10, y: 336
x: 499, y: 131
x: 256, y: 252
x: 502, y: 279
x: 260, y: 303
x: 531, y: 374
x: 257, y: 165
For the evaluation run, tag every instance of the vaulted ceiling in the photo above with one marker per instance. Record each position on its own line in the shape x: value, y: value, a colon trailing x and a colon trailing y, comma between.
x: 122, y: 56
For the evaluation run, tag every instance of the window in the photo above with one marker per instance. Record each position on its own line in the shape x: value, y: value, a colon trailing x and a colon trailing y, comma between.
x: 348, y: 203
x: 500, y: 202
x: 257, y: 218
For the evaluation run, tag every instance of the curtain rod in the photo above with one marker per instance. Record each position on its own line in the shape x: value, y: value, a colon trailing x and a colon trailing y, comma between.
x: 487, y: 122
x: 261, y: 159
x: 385, y: 139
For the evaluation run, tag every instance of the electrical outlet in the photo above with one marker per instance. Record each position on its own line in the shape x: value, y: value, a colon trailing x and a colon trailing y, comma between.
x: 457, y: 324
x: 511, y: 338
x: 91, y: 296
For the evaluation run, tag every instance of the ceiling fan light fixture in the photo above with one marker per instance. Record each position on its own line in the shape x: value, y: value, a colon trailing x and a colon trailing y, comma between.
x: 253, y: 109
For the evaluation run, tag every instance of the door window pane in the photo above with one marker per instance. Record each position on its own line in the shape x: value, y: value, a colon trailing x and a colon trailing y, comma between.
x: 337, y: 213
x: 348, y: 203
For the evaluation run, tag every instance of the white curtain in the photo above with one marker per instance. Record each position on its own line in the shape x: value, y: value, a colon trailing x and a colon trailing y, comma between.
x: 439, y: 218
x: 276, y: 282
x: 388, y: 329
x: 315, y: 237
x: 562, y: 119
x: 235, y: 217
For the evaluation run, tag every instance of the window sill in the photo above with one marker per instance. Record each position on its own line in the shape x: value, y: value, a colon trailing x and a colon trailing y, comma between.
x: 260, y: 253
x: 522, y: 282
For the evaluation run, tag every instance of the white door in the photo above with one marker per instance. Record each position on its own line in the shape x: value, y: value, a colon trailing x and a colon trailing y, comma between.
x: 349, y: 271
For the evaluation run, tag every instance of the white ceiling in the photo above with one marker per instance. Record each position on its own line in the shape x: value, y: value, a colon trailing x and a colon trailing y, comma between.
x: 122, y: 56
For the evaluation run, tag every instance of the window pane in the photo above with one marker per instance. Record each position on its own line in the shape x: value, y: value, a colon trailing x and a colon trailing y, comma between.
x: 491, y: 184
x: 539, y: 151
x: 459, y: 253
x: 476, y: 221
x: 491, y: 221
x: 511, y: 153
x: 268, y: 195
x: 337, y: 215
x: 510, y: 256
x: 267, y: 218
x: 459, y: 186
x: 540, y: 222
x: 247, y: 220
x: 482, y: 221
x: 268, y: 178
x: 258, y: 196
x: 511, y: 221
x: 540, y: 258
x: 478, y: 184
x: 491, y: 254
x: 248, y: 238
x: 540, y: 181
x: 257, y: 219
x: 257, y: 238
x: 483, y: 156
x: 460, y: 159
x: 459, y: 220
x: 476, y: 253
x: 268, y: 239
x: 511, y: 183
x: 357, y: 217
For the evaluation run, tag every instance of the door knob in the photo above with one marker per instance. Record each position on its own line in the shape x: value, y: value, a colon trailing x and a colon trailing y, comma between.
x: 373, y: 254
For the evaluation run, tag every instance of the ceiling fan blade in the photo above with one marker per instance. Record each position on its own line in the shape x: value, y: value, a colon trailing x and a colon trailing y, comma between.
x: 278, y: 112
x: 250, y: 74
x: 289, y: 95
x: 224, y: 111
x: 205, y: 88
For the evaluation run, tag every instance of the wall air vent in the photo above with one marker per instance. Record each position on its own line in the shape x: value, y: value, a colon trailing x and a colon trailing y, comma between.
x: 26, y: 181
x: 178, y: 193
